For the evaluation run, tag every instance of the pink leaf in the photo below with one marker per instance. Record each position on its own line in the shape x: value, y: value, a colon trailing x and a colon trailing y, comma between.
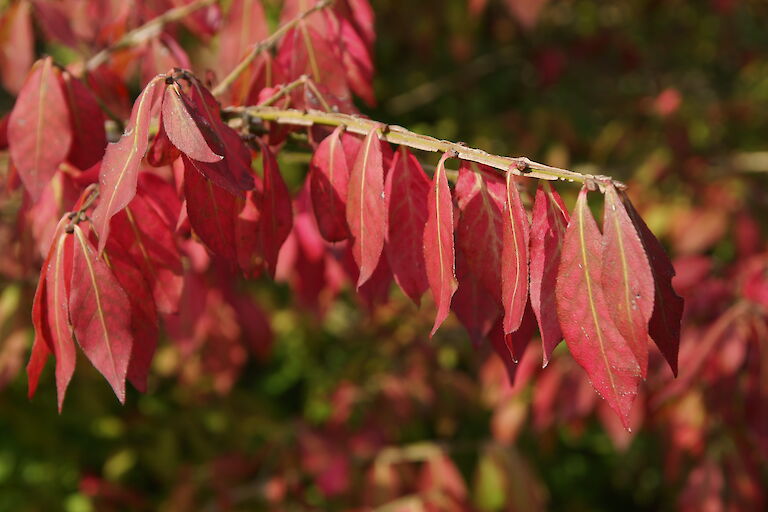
x: 406, y: 190
x: 626, y: 277
x: 514, y: 258
x: 181, y: 128
x: 550, y: 218
x: 589, y: 331
x: 39, y: 132
x: 120, y: 166
x: 367, y: 207
x: 329, y: 178
x: 438, y: 244
x: 276, y: 210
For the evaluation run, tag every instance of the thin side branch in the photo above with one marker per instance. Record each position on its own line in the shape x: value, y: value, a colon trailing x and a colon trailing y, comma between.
x: 266, y: 44
x: 147, y: 31
x: 521, y: 166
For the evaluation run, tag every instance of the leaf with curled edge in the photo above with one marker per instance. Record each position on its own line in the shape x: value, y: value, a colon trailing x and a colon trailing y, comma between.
x: 439, y: 252
x: 212, y: 212
x: 591, y: 335
x: 626, y: 277
x: 120, y: 166
x: 39, y: 130
x: 329, y: 178
x: 149, y: 241
x: 664, y: 326
x: 276, y: 209
x: 514, y: 257
x: 367, y: 207
x: 90, y: 138
x: 550, y: 219
x: 50, y: 315
x: 182, y: 129
x: 101, y: 314
x: 234, y: 171
x: 479, y: 230
x: 406, y: 189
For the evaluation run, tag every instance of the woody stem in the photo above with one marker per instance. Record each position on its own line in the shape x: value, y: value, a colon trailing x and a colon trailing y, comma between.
x: 521, y: 166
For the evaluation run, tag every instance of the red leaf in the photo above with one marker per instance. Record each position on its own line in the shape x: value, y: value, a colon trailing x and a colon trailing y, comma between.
x: 550, y: 218
x: 162, y: 151
x: 664, y: 326
x: 626, y: 277
x: 438, y: 244
x: 17, y: 46
x: 39, y: 133
x: 514, y: 258
x: 406, y: 190
x: 234, y: 171
x: 101, y: 315
x: 90, y: 139
x: 50, y: 316
x: 304, y: 51
x: 120, y: 166
x: 276, y: 210
x: 329, y: 178
x: 589, y: 331
x: 248, y: 236
x: 212, y: 212
x: 473, y: 305
x: 149, y: 240
x: 480, y: 227
x: 144, y: 329
x: 367, y: 207
x: 181, y: 128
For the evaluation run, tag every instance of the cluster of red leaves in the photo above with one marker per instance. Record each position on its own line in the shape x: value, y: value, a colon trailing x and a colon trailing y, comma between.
x: 367, y: 213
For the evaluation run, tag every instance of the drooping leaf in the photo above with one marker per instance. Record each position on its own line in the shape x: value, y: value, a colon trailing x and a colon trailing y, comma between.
x: 514, y: 258
x: 39, y: 131
x: 276, y: 211
x: 584, y: 317
x: 248, y: 235
x: 50, y: 312
x: 181, y: 128
x: 479, y: 232
x: 664, y: 326
x: 626, y: 278
x: 101, y: 314
x: 367, y: 207
x: 439, y: 252
x: 90, y: 138
x: 144, y: 327
x: 212, y: 212
x: 329, y: 178
x: 120, y: 166
x: 148, y: 239
x: 234, y: 171
x: 550, y: 219
x: 473, y: 305
x: 406, y: 190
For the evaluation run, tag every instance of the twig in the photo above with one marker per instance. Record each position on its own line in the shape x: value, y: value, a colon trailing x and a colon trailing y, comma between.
x: 146, y: 31
x: 521, y: 166
x: 267, y: 43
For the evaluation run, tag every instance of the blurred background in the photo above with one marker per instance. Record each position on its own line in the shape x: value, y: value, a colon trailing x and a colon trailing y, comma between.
x: 336, y: 405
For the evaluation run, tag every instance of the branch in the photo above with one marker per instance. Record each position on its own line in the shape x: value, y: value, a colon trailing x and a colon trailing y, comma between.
x: 267, y: 43
x: 146, y: 31
x: 521, y: 166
